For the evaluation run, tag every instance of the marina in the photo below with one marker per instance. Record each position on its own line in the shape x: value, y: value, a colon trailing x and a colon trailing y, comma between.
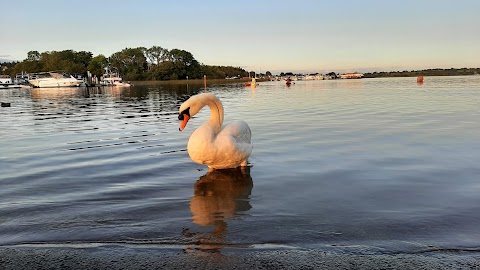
x: 54, y: 79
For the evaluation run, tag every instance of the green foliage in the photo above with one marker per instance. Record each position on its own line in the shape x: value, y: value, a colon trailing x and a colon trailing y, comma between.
x: 33, y: 56
x: 155, y: 63
x: 67, y: 61
x: 7, y: 67
x: 425, y: 72
x: 131, y: 62
x: 97, y: 65
x: 222, y: 72
x: 180, y: 64
x: 157, y: 55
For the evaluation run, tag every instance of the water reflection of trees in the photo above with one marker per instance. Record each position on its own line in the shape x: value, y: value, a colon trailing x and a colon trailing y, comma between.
x: 157, y: 100
x: 219, y: 196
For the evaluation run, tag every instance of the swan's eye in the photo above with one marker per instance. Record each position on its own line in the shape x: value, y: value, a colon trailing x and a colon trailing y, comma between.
x: 186, y: 111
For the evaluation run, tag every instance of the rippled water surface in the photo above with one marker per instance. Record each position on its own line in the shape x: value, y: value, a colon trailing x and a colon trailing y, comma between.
x: 370, y: 165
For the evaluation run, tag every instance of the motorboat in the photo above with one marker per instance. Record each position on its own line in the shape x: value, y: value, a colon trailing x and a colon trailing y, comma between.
x: 21, y: 78
x: 54, y: 79
x: 351, y: 75
x: 111, y: 77
x: 7, y: 83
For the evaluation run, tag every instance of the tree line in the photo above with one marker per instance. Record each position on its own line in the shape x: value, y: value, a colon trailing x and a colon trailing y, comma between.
x: 154, y: 63
x: 425, y: 72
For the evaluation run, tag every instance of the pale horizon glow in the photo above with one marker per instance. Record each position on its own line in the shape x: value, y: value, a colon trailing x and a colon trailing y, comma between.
x: 269, y: 35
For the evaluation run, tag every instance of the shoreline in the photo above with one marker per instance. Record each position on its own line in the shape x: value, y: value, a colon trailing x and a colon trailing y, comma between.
x: 196, y: 81
x: 125, y: 257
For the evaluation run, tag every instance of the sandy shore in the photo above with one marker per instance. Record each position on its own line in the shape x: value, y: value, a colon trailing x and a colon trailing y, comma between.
x: 130, y: 258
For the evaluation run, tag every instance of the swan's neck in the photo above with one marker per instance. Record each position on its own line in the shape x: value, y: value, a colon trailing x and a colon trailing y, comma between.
x: 216, y: 115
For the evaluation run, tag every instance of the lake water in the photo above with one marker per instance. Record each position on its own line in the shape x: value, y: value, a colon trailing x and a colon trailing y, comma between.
x: 355, y: 166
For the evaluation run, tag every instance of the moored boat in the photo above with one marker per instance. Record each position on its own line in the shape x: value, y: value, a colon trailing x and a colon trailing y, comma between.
x: 54, y: 79
x: 7, y: 83
x: 111, y: 77
x: 351, y: 75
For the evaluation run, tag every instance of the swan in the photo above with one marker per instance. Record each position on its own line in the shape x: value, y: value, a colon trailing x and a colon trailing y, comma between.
x: 211, y: 144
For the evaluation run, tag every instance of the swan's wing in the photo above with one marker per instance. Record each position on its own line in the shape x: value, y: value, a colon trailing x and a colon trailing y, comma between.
x: 239, y: 130
x: 237, y: 137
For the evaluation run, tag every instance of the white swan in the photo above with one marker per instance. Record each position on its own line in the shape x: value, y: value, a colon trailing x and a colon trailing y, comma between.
x: 210, y: 144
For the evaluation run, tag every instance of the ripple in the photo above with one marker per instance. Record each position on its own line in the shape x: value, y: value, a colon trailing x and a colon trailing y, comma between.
x: 372, y: 166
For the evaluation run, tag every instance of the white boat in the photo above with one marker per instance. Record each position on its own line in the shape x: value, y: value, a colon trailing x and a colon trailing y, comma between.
x: 112, y: 78
x: 7, y: 83
x: 21, y: 78
x: 351, y: 75
x: 54, y: 79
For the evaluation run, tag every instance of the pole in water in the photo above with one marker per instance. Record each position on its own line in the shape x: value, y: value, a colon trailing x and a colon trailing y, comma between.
x: 205, y: 81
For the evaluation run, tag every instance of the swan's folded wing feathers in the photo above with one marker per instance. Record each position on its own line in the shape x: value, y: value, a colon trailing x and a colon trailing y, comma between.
x: 239, y: 130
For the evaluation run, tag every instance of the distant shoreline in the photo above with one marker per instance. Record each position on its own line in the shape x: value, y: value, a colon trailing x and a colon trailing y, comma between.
x: 197, y: 81
x: 424, y: 72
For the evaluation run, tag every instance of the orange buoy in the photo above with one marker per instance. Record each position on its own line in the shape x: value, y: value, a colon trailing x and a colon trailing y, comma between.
x: 420, y: 79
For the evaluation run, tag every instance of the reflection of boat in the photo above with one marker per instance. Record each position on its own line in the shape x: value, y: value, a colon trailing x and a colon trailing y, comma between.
x: 53, y: 79
x: 111, y: 77
x: 219, y: 195
x: 6, y: 82
x: 57, y: 93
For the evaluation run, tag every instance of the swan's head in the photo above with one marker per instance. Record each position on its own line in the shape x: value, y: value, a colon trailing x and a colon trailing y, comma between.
x: 192, y: 106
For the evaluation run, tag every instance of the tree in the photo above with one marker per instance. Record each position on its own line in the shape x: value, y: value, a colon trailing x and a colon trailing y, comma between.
x: 82, y: 57
x: 67, y: 60
x: 130, y: 62
x: 332, y: 75
x: 97, y: 65
x: 157, y: 54
x: 33, y: 56
x: 268, y: 73
x: 184, y: 64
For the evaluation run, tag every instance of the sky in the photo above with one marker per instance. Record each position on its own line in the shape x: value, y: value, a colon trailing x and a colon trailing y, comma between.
x: 257, y: 35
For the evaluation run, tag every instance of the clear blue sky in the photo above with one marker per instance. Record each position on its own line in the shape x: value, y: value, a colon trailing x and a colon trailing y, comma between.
x: 260, y: 35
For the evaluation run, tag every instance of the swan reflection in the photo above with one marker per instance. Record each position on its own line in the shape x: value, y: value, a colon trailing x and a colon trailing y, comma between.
x: 219, y: 196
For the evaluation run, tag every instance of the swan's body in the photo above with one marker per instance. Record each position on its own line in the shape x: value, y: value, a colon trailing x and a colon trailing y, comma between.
x: 211, y: 144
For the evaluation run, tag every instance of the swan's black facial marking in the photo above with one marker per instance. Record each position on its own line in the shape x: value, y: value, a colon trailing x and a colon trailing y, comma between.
x: 186, y: 111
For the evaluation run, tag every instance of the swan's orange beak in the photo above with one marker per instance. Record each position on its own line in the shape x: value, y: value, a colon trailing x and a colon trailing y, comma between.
x: 184, y: 122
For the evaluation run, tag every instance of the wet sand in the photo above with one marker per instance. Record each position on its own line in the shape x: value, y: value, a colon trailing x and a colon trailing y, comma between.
x: 120, y: 257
